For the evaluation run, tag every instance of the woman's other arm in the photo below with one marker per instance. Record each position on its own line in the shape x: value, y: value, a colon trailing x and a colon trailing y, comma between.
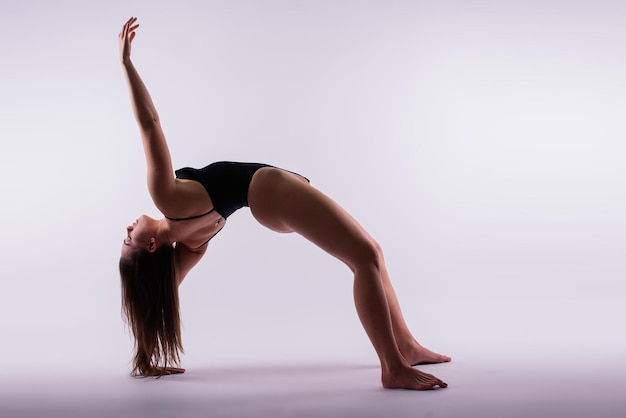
x: 187, y: 259
x: 161, y: 183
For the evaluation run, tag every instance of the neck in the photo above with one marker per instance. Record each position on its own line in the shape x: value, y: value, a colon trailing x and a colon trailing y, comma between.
x: 163, y: 232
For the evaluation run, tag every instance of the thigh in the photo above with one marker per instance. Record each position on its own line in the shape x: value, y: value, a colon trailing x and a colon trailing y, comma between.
x: 293, y: 205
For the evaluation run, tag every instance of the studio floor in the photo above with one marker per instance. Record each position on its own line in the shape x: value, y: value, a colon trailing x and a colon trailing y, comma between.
x: 476, y: 389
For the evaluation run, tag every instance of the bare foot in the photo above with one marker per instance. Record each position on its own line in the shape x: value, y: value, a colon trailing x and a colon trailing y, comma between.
x: 410, y: 378
x: 416, y: 354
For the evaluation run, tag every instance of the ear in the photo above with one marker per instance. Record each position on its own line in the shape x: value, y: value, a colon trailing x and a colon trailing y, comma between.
x: 152, y: 246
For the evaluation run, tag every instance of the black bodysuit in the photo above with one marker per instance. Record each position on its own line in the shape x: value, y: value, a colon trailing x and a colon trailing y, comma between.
x: 226, y: 182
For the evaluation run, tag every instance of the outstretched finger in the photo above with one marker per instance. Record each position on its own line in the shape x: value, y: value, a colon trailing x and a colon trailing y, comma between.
x: 128, y: 24
x: 128, y: 31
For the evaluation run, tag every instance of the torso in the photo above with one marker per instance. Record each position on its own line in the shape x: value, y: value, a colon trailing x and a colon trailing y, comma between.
x: 193, y: 200
x: 267, y: 188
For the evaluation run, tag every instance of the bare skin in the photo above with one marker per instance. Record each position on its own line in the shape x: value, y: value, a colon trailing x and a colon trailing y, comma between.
x: 164, y: 371
x: 283, y: 202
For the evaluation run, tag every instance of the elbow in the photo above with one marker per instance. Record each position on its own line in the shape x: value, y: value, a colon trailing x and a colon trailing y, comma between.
x: 149, y: 122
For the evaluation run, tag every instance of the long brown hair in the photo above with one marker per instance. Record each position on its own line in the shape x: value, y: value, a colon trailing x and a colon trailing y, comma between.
x: 150, y: 308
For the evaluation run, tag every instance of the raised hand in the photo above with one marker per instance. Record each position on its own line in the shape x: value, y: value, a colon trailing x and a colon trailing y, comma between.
x: 126, y: 37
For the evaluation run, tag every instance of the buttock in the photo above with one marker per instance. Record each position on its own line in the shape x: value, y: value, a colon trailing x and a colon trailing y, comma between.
x: 270, y: 192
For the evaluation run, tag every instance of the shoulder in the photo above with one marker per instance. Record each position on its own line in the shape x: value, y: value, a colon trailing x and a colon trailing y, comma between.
x: 187, y: 258
x: 187, y: 198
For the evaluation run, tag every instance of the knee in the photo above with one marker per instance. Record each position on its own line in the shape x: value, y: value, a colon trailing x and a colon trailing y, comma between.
x: 379, y: 249
x: 368, y: 255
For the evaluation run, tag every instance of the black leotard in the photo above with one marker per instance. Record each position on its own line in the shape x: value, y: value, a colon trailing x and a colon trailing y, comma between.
x: 226, y: 183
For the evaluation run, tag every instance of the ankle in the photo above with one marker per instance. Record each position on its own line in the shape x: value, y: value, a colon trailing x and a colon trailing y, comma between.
x: 394, y: 365
x: 407, y: 345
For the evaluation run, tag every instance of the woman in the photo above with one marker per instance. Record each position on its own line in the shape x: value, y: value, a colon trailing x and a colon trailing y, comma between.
x: 158, y: 254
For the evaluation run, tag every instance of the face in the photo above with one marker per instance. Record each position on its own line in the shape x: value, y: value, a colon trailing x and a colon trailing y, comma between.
x: 138, y: 235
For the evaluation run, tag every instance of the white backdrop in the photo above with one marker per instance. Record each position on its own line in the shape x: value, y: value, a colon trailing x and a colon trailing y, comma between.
x: 482, y: 143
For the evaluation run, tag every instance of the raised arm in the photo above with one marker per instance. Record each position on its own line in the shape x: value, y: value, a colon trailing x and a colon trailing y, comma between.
x: 161, y: 183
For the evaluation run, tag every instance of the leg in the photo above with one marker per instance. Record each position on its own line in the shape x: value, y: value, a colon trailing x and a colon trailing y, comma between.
x: 288, y: 204
x: 411, y: 350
